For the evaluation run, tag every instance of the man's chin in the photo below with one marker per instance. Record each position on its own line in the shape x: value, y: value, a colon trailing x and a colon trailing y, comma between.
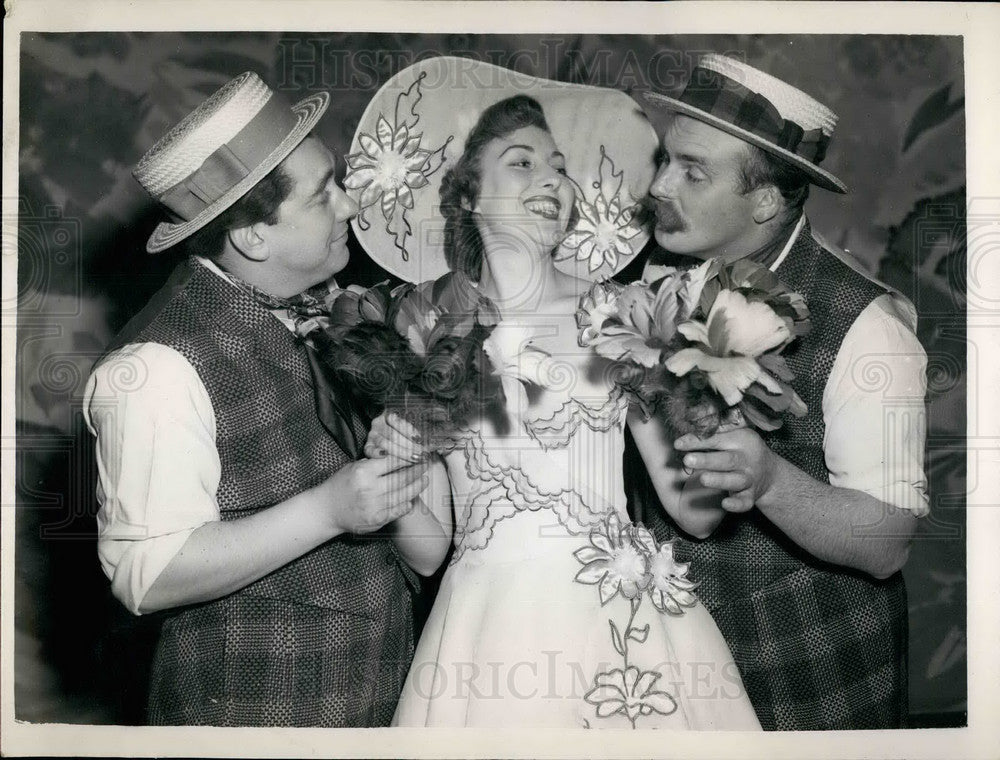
x: 337, y: 260
x: 670, y: 240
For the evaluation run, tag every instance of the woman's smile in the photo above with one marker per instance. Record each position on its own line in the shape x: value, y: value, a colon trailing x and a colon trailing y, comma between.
x: 545, y: 206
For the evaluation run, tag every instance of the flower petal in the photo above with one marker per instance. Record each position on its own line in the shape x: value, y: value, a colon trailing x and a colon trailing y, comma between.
x: 608, y: 588
x: 604, y: 693
x: 589, y: 554
x: 370, y: 146
x: 358, y: 160
x: 400, y: 137
x: 732, y: 375
x: 384, y: 132
x: 685, y: 360
x: 592, y: 573
x: 660, y: 701
x: 415, y: 180
x: 388, y: 204
x: 614, y: 679
x: 602, y: 542
x: 370, y: 195
x: 588, y: 214
x: 745, y: 328
x: 609, y: 708
x: 647, y: 679
x: 577, y: 238
x: 684, y: 598
x: 405, y: 197
x: 601, y: 207
x: 359, y: 178
x: 694, y: 331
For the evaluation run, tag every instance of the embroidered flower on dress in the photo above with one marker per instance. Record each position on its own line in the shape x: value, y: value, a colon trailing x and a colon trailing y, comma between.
x: 631, y: 692
x: 391, y: 165
x: 606, y: 225
x: 614, y: 562
x: 670, y: 589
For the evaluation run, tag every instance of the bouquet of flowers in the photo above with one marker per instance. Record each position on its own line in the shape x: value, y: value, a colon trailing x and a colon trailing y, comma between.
x: 427, y: 352
x: 702, y: 346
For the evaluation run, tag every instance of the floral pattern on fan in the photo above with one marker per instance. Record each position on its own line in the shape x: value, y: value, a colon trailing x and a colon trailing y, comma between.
x: 606, y: 223
x: 391, y: 165
x: 625, y: 559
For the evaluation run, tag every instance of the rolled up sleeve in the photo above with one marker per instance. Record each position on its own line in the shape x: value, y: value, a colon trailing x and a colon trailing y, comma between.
x: 874, y: 407
x: 158, y: 466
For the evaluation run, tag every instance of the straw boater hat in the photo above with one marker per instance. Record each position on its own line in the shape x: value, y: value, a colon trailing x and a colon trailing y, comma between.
x: 220, y: 151
x: 760, y: 109
x: 415, y: 129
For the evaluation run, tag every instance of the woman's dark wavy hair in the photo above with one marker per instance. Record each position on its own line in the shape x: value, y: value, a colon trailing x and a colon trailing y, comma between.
x: 463, y: 246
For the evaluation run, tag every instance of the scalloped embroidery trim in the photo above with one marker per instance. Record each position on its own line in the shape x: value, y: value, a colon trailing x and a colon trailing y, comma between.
x: 511, y: 493
x: 557, y: 430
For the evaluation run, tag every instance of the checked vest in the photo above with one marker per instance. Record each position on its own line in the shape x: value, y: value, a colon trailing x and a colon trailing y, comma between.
x: 818, y: 646
x: 325, y: 640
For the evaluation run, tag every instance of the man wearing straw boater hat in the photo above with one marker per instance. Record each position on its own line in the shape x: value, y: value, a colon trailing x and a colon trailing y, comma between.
x: 231, y: 491
x: 803, y: 577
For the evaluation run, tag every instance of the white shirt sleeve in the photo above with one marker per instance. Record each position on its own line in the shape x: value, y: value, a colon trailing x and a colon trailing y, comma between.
x: 158, y: 466
x: 873, y: 407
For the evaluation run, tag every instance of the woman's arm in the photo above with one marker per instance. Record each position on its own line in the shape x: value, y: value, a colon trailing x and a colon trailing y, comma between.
x: 696, y: 511
x: 423, y: 535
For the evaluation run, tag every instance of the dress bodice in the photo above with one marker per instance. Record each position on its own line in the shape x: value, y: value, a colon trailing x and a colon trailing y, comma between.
x: 554, y: 472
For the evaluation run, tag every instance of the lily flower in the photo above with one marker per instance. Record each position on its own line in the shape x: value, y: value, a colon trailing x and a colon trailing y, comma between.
x: 736, y: 333
x: 596, y: 307
x: 515, y: 361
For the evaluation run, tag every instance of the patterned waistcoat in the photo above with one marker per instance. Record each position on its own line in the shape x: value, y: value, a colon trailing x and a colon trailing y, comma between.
x: 323, y: 641
x: 818, y: 646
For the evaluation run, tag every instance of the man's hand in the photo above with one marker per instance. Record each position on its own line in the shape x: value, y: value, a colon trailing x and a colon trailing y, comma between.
x: 370, y: 493
x: 737, y: 461
x: 392, y: 436
x: 221, y: 557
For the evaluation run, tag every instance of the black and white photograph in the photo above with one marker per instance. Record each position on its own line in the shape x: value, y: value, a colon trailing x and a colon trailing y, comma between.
x: 619, y: 367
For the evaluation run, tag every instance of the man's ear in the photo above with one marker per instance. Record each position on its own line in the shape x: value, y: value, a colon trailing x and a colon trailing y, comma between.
x: 249, y: 242
x: 768, y: 205
x: 466, y: 204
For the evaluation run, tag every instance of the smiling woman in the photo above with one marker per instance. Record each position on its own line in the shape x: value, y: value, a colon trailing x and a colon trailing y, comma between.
x: 508, y: 189
x: 600, y: 628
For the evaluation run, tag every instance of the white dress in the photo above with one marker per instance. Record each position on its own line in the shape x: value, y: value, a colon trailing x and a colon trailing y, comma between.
x: 518, y: 635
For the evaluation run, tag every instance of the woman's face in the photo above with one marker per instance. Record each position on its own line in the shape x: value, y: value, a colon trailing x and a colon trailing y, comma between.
x: 524, y: 195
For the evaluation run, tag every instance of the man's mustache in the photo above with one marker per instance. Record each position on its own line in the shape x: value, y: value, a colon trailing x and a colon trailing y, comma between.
x: 668, y: 218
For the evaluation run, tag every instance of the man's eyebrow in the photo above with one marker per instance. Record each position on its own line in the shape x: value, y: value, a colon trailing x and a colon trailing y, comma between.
x: 321, y: 187
x: 688, y: 158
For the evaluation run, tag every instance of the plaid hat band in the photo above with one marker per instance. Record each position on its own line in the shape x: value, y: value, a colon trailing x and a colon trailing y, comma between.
x: 760, y: 109
x: 730, y: 101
